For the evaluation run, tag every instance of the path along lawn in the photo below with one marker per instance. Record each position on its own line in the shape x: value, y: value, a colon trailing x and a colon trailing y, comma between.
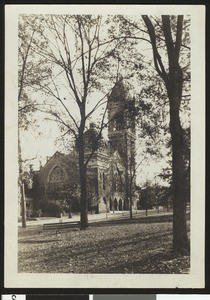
x: 141, y: 245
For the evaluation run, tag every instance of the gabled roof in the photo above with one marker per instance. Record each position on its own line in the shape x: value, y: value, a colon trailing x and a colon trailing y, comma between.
x: 58, y: 156
x: 55, y: 155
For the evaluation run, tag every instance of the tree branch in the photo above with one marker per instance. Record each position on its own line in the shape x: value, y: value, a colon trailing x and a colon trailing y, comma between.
x: 178, y: 36
x: 157, y: 58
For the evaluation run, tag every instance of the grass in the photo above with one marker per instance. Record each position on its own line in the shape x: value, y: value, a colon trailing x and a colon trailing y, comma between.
x: 141, y: 245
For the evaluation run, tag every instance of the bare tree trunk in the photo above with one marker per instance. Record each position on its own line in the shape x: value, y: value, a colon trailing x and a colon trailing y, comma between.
x: 181, y: 243
x: 127, y: 179
x: 146, y: 203
x: 21, y: 186
x: 70, y: 215
x: 131, y: 212
x: 180, y: 239
x: 83, y: 184
x: 174, y: 84
x: 130, y: 200
x: 126, y: 191
x: 83, y: 197
x: 167, y: 205
x: 23, y: 205
x: 158, y: 208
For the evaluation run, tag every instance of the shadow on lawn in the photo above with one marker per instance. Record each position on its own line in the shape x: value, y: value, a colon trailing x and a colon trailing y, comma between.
x: 105, y: 247
x: 77, y: 248
x: 143, y: 220
x: 39, y: 241
x: 155, y: 263
x: 143, y: 249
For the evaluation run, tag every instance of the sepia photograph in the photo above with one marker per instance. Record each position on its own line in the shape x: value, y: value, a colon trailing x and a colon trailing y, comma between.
x: 104, y: 146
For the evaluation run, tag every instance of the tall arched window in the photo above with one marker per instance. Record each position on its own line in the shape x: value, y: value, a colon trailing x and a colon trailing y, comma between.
x: 56, y: 179
x: 57, y: 175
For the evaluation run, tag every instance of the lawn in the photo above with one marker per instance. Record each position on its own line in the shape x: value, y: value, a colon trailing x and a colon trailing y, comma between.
x: 141, y: 245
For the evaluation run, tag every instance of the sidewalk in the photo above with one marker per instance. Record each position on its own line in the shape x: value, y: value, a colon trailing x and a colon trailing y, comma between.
x: 97, y: 217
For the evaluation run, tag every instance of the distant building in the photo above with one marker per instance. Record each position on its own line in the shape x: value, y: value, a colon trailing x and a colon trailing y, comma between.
x: 111, y: 169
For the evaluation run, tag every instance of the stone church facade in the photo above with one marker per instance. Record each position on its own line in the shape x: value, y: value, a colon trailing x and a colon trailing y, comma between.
x: 111, y: 169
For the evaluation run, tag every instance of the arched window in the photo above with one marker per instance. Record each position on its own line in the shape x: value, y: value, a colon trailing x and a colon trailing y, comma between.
x: 56, y: 179
x: 57, y: 175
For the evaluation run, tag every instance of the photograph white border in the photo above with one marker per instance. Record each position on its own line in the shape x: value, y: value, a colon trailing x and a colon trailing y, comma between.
x: 195, y: 279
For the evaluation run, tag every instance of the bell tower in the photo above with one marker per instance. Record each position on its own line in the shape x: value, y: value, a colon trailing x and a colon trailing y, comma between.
x: 121, y: 135
x: 121, y: 120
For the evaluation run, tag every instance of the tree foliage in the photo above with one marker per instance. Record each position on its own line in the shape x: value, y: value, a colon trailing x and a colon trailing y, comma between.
x: 30, y: 73
x: 32, y: 69
x: 80, y: 55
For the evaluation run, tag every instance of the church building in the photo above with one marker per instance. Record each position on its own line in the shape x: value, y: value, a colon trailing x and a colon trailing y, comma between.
x: 111, y: 170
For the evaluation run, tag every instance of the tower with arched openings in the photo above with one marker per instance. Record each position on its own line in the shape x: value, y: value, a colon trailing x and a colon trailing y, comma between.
x: 122, y: 136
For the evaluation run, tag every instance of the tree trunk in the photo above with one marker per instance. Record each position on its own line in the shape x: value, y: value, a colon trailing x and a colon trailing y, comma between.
x: 167, y: 205
x: 131, y: 212
x: 130, y: 201
x: 181, y: 243
x: 146, y: 203
x: 174, y: 83
x: 21, y: 186
x: 70, y: 215
x: 127, y: 184
x: 127, y: 200
x: 23, y: 205
x: 83, y: 187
